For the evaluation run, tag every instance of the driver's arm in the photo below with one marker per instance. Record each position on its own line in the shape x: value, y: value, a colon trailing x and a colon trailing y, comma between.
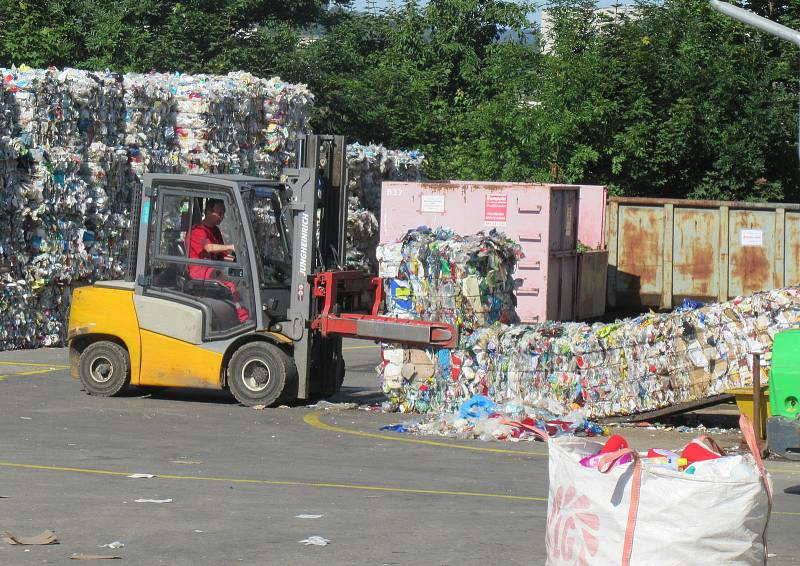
x: 217, y: 248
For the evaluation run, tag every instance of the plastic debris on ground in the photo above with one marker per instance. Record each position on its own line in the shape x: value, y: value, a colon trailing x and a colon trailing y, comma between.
x: 43, y: 538
x: 315, y: 540
x: 329, y: 406
x: 112, y: 545
x: 629, y: 366
x: 480, y: 418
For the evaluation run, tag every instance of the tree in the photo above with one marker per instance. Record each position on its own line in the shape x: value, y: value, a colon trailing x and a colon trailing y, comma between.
x: 165, y: 35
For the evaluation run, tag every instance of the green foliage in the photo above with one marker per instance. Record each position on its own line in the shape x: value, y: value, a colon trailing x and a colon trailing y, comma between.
x: 674, y: 100
x: 164, y: 35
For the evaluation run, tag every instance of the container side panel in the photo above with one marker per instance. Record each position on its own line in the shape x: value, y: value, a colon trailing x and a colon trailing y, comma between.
x: 553, y: 283
x: 556, y: 227
x: 592, y: 216
x: 695, y: 248
x: 640, y: 245
x: 752, y: 255
x: 563, y: 219
x: 591, y: 291
x: 568, y: 285
x: 792, y: 250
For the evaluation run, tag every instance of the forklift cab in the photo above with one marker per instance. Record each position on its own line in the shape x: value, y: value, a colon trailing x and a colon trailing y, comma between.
x: 253, y: 281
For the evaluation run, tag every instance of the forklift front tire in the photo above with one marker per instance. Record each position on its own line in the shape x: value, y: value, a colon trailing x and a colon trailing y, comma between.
x: 260, y: 374
x: 104, y: 368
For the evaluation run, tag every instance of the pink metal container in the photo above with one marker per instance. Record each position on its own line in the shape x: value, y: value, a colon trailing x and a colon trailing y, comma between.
x: 544, y: 219
x: 592, y: 216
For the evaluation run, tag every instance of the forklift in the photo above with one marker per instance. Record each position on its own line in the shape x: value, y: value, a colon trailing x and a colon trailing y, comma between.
x: 163, y: 327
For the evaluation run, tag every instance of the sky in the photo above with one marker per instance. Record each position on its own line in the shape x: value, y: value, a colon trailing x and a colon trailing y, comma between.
x: 362, y: 4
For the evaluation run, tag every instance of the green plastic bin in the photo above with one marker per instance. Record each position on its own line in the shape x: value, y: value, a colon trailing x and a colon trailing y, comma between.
x: 784, y: 379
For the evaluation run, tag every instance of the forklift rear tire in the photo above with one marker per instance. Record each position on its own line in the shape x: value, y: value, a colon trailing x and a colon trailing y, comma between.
x: 104, y: 368
x: 260, y: 373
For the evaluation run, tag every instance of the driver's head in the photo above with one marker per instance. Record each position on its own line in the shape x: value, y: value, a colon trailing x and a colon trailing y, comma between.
x: 214, y: 212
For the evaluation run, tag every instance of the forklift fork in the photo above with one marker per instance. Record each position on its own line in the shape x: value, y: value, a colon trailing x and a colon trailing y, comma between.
x: 346, y: 290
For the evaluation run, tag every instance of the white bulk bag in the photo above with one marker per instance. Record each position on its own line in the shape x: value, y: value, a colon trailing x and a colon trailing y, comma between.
x: 597, y: 518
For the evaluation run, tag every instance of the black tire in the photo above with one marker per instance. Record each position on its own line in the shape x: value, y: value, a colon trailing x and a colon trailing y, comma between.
x: 260, y: 373
x: 104, y: 368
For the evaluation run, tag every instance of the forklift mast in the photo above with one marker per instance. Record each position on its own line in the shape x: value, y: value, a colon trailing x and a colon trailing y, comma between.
x: 318, y: 226
x: 328, y: 301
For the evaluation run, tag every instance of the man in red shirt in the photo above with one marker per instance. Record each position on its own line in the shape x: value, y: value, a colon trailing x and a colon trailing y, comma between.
x: 205, y: 242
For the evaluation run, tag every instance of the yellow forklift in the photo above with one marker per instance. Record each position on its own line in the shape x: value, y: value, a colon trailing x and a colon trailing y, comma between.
x: 163, y: 326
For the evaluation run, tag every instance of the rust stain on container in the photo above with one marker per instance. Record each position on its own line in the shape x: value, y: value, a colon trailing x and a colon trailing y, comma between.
x: 698, y: 272
x: 751, y: 261
x: 700, y: 265
x: 695, y: 245
x: 700, y: 269
x: 751, y: 266
x: 449, y: 186
x: 640, y: 255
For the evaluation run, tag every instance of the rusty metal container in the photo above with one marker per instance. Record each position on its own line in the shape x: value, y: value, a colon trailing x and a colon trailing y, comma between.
x: 544, y: 219
x: 664, y: 250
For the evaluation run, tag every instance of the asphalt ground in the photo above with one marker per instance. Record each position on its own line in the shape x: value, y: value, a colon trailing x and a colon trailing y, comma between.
x: 238, y: 478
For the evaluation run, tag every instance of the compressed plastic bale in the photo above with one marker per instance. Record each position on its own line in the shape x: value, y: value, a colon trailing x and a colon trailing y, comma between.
x: 630, y: 366
x: 368, y: 166
x: 466, y: 281
x: 75, y: 144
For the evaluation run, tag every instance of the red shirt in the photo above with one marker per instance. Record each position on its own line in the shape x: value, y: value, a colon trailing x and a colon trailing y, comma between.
x: 198, y: 238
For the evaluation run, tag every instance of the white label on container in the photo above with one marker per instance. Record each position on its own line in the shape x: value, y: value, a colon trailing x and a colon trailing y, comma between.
x: 752, y: 238
x: 568, y: 220
x: 432, y: 203
x: 394, y: 192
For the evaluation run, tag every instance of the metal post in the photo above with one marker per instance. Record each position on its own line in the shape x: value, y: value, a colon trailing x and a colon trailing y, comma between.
x: 757, y: 393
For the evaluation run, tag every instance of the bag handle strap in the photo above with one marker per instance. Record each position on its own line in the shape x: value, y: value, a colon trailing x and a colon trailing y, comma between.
x: 746, y: 426
x: 607, y: 463
x: 749, y: 433
x: 534, y: 429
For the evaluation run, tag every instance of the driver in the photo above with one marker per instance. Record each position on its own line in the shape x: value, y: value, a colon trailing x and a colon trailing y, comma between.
x: 205, y: 242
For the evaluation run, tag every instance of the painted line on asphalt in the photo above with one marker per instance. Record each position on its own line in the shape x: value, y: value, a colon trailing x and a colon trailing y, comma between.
x: 291, y: 483
x: 313, y: 420
x: 47, y: 368
x: 54, y: 366
x: 282, y: 483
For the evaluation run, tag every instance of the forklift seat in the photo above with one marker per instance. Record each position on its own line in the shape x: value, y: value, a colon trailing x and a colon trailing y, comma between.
x: 210, y: 288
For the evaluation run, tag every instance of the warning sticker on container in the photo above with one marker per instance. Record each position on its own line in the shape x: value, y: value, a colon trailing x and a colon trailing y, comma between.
x: 495, y: 210
x: 432, y: 203
x: 752, y: 238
